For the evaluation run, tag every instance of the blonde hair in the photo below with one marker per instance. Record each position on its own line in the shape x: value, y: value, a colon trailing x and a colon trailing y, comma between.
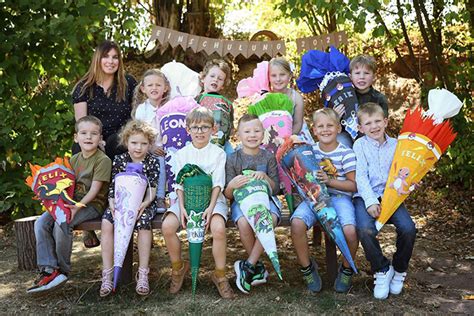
x: 200, y: 114
x: 219, y: 63
x: 137, y: 127
x: 90, y: 119
x: 139, y: 97
x: 95, y: 74
x: 282, y: 63
x: 369, y: 108
x: 363, y: 60
x: 330, y: 113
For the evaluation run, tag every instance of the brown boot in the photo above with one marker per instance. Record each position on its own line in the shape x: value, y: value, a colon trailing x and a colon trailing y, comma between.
x: 177, y: 278
x: 223, y: 286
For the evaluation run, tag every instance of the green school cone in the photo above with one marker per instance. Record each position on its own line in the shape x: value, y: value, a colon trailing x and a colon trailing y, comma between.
x: 290, y: 200
x: 197, y: 187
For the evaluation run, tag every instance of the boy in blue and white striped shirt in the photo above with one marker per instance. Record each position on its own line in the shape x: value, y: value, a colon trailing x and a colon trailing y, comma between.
x: 338, y: 164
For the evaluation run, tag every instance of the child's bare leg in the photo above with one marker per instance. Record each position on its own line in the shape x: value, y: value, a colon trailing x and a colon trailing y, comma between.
x: 247, y: 235
x: 352, y: 242
x: 107, y: 244
x: 257, y: 249
x: 169, y: 228
x: 300, y: 241
x: 145, y: 237
x: 219, y: 243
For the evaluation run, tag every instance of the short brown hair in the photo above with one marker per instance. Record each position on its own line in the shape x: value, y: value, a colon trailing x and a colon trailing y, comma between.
x: 246, y: 118
x: 369, y: 108
x: 88, y: 118
x: 363, y: 60
x: 137, y: 127
x: 219, y: 63
x: 200, y: 114
x: 329, y: 113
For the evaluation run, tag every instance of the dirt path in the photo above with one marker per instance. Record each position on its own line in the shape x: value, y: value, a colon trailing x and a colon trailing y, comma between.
x: 440, y: 275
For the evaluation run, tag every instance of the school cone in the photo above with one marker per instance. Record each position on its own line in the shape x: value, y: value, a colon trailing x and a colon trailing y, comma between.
x: 423, y: 139
x: 298, y: 162
x: 254, y: 201
x: 130, y: 187
x: 197, y: 188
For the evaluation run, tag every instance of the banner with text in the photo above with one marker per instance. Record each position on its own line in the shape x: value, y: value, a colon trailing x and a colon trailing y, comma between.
x: 224, y: 47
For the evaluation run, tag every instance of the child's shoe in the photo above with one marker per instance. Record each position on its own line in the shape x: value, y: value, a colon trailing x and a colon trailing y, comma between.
x: 396, y: 285
x: 244, y: 272
x: 47, y: 281
x: 343, y: 282
x: 142, y: 288
x: 223, y: 286
x: 261, y: 274
x: 177, y: 278
x: 107, y: 285
x: 312, y: 278
x: 382, y: 283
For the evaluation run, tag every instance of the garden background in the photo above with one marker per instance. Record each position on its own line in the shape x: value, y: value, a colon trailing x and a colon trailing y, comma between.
x: 418, y: 45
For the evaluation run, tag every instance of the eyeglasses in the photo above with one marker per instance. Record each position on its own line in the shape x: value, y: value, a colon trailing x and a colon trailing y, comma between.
x: 202, y: 129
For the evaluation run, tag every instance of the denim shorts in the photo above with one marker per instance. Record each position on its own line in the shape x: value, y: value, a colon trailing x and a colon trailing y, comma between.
x: 275, y: 208
x: 342, y: 204
x: 304, y: 212
x: 344, y: 208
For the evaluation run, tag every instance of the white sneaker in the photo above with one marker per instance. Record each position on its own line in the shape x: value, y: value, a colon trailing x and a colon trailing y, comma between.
x: 382, y: 283
x: 396, y: 285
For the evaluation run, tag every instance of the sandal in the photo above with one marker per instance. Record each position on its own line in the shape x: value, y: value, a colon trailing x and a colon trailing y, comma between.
x: 141, y: 277
x: 107, y: 285
x: 90, y: 240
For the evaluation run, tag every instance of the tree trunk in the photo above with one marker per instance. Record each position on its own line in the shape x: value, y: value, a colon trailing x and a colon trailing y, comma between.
x: 26, y: 243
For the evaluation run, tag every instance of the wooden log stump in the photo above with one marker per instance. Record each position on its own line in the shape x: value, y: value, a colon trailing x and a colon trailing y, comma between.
x: 26, y: 243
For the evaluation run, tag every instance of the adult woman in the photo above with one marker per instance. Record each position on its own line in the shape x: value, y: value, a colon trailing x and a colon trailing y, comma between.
x: 106, y: 92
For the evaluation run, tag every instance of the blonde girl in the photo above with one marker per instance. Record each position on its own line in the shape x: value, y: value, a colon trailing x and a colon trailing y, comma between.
x: 151, y: 93
x: 138, y: 137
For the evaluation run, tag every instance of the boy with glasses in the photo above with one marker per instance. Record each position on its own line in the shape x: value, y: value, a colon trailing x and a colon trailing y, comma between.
x: 210, y: 158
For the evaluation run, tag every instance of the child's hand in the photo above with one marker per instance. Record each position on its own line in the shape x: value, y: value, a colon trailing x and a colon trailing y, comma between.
x: 238, y: 181
x: 112, y: 207
x: 259, y: 175
x: 74, y: 209
x: 340, y: 109
x: 142, y: 208
x: 206, y: 216
x: 160, y: 152
x: 322, y: 176
x: 184, y: 217
x: 374, y: 210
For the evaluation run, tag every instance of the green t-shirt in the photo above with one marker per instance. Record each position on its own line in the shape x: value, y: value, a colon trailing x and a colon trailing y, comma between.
x: 95, y: 168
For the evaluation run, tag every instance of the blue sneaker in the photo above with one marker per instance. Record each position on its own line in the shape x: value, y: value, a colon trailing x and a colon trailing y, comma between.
x: 261, y: 274
x: 343, y: 282
x: 244, y: 273
x: 312, y: 278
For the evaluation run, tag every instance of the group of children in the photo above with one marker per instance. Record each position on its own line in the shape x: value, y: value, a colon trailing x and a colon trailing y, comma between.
x: 355, y: 186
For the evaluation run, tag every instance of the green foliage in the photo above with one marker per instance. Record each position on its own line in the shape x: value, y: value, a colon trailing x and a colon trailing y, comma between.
x: 46, y: 46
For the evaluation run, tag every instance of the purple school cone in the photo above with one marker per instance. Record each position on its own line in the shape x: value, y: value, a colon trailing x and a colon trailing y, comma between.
x: 197, y: 188
x: 130, y: 187
x: 254, y: 201
x: 298, y: 161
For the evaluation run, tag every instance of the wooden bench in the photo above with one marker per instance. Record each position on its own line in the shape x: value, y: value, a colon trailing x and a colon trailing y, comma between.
x: 126, y: 276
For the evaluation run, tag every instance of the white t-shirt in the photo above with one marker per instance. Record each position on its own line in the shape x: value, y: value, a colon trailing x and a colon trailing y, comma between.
x: 147, y: 112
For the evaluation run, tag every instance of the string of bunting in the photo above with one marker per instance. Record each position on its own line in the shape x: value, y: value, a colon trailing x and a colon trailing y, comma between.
x: 245, y: 48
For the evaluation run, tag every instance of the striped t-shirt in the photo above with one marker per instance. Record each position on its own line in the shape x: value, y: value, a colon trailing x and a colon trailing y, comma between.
x: 336, y: 164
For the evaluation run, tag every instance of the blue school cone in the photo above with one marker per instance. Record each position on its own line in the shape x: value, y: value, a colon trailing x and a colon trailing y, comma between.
x: 117, y: 271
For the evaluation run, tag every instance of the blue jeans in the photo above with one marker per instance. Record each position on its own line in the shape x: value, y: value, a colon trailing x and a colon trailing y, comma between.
x: 54, y: 242
x: 367, y: 233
